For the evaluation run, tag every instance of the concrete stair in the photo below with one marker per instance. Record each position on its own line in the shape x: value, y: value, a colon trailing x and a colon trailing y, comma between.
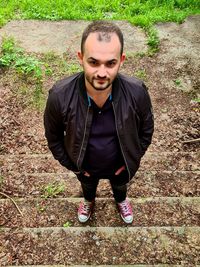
x: 165, y: 231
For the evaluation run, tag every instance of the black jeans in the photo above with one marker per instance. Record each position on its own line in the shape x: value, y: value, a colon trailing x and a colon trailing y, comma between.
x: 118, y: 184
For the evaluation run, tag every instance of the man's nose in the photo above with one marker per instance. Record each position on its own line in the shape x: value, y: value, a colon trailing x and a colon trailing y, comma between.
x: 102, y: 71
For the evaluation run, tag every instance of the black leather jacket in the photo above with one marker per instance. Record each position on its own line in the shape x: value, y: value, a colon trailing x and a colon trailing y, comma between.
x: 68, y: 118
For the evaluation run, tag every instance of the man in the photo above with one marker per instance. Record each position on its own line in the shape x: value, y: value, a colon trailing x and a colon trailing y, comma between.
x: 99, y: 123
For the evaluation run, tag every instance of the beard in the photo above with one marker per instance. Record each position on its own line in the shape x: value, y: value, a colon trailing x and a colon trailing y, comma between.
x: 99, y: 84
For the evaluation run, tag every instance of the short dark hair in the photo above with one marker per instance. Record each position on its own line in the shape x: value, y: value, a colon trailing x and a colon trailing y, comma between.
x: 103, y: 27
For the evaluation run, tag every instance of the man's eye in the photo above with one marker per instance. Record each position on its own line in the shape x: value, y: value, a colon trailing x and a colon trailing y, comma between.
x: 111, y: 64
x: 93, y: 63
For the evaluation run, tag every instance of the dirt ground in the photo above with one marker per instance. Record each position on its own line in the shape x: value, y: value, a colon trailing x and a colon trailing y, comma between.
x: 171, y: 75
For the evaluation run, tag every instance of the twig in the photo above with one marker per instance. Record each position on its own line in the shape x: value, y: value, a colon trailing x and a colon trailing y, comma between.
x: 191, y: 141
x: 3, y: 194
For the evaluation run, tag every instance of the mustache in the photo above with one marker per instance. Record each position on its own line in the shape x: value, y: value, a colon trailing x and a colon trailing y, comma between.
x: 101, y: 77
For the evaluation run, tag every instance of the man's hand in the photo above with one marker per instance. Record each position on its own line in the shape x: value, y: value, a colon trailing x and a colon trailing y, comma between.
x: 86, y: 174
x: 120, y: 170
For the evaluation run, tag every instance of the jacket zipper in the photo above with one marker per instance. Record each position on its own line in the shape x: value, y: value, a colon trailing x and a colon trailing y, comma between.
x: 83, y: 136
x: 121, y: 143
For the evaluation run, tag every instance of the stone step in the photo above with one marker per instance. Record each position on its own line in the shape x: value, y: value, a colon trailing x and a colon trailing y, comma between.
x: 100, y: 246
x: 132, y: 265
x: 188, y: 161
x: 145, y: 184
x: 56, y: 212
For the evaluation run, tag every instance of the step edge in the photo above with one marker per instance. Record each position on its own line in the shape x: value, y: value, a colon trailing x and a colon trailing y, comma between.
x: 138, y: 172
x: 132, y: 265
x: 108, y: 230
x: 132, y: 200
x: 153, y: 172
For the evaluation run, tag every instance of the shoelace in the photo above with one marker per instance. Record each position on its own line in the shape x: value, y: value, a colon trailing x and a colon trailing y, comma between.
x: 85, y: 208
x: 125, y: 208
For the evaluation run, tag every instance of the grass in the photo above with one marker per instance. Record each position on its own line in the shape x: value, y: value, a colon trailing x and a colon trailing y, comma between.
x: 52, y: 190
x: 27, y: 68
x: 67, y: 224
x: 196, y: 100
x: 177, y: 82
x: 29, y: 73
x: 138, y: 12
x: 13, y: 56
x: 141, y: 74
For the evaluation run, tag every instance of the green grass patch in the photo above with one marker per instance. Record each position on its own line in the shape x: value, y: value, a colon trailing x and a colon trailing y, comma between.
x: 52, y: 190
x: 57, y: 66
x: 67, y: 224
x: 141, y: 74
x: 30, y: 72
x: 138, y: 12
x: 27, y: 68
x: 196, y: 100
x: 14, y: 57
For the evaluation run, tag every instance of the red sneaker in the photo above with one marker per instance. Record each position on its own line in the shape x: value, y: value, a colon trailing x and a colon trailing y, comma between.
x: 85, y: 210
x: 125, y: 211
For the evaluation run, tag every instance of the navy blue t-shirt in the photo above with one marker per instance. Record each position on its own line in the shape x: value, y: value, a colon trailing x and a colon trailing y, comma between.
x: 103, y: 154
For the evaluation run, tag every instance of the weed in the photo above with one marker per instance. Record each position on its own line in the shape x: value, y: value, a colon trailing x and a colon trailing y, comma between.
x: 196, y: 100
x: 1, y: 180
x: 153, y: 40
x: 50, y: 56
x: 140, y: 54
x: 52, y: 190
x: 9, y: 47
x: 40, y: 207
x: 14, y: 57
x: 9, y: 52
x: 57, y: 66
x: 73, y: 67
x: 177, y: 82
x: 141, y: 74
x: 48, y: 71
x: 27, y: 67
x: 67, y: 224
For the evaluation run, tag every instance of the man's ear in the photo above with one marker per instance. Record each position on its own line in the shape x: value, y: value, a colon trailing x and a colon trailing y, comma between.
x: 80, y: 57
x: 122, y: 59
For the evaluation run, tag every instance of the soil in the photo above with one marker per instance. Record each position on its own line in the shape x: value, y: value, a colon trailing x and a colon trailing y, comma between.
x: 172, y: 78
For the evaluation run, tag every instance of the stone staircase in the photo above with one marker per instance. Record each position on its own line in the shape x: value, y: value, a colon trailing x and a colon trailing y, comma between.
x: 165, y: 230
x: 165, y: 193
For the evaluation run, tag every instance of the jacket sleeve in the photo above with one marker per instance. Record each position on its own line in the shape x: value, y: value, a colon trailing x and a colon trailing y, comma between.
x: 146, y: 128
x: 54, y: 130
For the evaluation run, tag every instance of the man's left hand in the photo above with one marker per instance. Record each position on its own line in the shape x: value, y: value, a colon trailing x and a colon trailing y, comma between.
x: 120, y: 170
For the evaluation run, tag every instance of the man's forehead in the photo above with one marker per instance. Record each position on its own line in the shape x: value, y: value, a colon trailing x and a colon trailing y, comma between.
x: 102, y: 46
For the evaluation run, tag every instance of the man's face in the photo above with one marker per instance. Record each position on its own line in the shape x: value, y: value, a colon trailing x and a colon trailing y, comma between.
x: 101, y: 60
